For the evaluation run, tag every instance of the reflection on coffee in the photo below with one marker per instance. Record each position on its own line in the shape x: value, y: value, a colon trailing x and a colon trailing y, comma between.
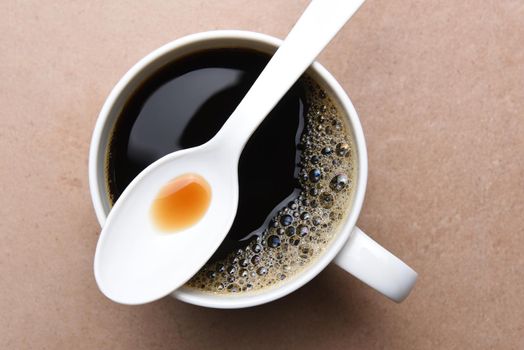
x: 296, y: 172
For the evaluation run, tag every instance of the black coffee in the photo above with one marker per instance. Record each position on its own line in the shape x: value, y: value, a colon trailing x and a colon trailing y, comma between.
x: 295, y: 172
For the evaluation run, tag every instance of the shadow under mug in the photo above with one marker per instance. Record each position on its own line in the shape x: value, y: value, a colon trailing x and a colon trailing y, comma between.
x: 351, y: 248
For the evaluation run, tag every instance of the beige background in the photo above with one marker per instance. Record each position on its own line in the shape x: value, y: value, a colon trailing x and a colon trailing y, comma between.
x: 439, y: 86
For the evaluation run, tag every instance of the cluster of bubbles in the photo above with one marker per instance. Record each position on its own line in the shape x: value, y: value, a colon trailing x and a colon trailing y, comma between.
x: 300, y: 231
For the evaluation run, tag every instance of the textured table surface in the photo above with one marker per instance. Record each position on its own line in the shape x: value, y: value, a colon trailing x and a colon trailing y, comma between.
x: 439, y: 86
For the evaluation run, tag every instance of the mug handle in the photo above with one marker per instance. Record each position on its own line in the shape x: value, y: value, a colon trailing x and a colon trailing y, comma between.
x: 375, y: 266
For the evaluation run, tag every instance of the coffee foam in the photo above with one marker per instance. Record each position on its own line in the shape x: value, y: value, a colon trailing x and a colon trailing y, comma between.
x: 301, y: 231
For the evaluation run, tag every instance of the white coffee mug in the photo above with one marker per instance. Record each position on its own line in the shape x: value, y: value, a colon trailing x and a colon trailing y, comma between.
x: 351, y: 248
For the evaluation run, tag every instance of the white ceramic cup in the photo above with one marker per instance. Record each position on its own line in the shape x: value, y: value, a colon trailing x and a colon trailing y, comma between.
x: 351, y: 248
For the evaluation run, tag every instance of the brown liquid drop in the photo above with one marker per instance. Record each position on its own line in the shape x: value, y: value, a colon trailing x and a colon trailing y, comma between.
x: 181, y: 203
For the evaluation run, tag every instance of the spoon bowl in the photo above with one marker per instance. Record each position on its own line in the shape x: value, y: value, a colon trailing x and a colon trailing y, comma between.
x: 132, y: 262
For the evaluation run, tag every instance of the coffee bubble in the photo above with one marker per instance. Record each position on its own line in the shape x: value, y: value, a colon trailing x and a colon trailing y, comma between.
x: 342, y: 149
x: 273, y: 241
x: 339, y: 182
x: 327, y: 200
x: 327, y: 151
x: 286, y: 220
x: 262, y: 271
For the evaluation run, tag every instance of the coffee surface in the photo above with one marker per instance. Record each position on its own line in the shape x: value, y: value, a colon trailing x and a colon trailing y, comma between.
x: 295, y: 173
x: 184, y: 105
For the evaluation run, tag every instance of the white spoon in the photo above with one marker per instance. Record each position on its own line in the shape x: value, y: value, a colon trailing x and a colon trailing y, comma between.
x: 135, y: 263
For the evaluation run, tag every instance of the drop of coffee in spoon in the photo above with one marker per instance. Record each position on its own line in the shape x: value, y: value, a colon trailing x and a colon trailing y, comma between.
x: 181, y: 203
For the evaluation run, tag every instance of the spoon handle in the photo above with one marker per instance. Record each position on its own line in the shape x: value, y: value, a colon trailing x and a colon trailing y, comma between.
x: 319, y: 23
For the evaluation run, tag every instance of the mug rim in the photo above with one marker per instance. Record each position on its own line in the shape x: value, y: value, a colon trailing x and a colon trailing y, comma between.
x: 193, y: 296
